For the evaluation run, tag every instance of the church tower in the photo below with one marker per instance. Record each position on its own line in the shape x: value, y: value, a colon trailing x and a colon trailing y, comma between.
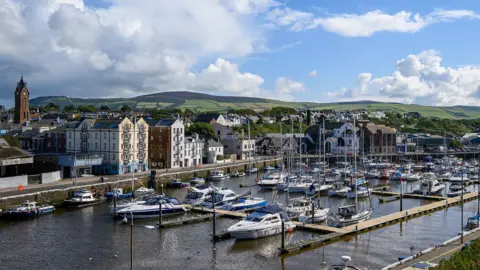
x: 22, y: 104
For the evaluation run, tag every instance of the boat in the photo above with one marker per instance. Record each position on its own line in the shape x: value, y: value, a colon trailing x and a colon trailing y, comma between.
x: 81, y: 198
x: 384, y: 175
x: 459, y: 177
x: 217, y: 175
x: 372, y: 174
x: 348, y: 215
x: 197, y: 181
x: 334, y: 172
x: 243, y: 203
x: 197, y: 195
x: 271, y: 180
x: 430, y: 186
x: 472, y: 222
x: 222, y: 196
x: 237, y: 174
x: 456, y: 190
x: 117, y: 192
x: 177, y: 183
x: 300, y: 186
x: 319, y: 215
x: 27, y: 210
x: 297, y: 207
x: 151, y: 208
x: 474, y: 177
x: 253, y: 170
x: 114, y: 207
x: 322, y: 189
x: 268, y: 168
x: 339, y: 190
x: 141, y: 191
x: 445, y: 176
x: 265, y: 221
x: 362, y: 192
x: 344, y: 265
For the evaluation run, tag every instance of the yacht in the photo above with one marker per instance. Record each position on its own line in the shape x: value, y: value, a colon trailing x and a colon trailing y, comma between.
x: 197, y: 195
x: 118, y: 193
x: 459, y: 177
x: 445, y: 176
x: 253, y: 170
x: 322, y: 189
x: 362, y: 192
x: 271, y: 180
x: 268, y: 168
x: 244, y: 203
x: 348, y: 215
x: 339, y: 190
x: 263, y: 222
x: 319, y: 215
x: 456, y: 190
x: 27, y: 210
x: 372, y: 174
x: 82, y: 198
x: 197, y: 181
x: 217, y: 175
x: 302, y: 186
x: 298, y: 207
x: 151, y: 208
x: 222, y: 196
x: 431, y: 187
x: 177, y: 183
x: 236, y: 174
x: 114, y: 207
x: 143, y: 191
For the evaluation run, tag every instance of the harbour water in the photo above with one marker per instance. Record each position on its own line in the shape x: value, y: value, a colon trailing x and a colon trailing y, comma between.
x: 90, y: 239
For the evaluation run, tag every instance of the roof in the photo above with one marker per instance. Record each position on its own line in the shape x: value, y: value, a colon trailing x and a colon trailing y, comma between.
x: 373, y: 128
x: 213, y: 143
x: 161, y: 122
x: 22, y: 84
x: 54, y: 116
x: 207, y: 118
x: 56, y: 130
x: 27, y: 134
x: 13, y: 152
x: 107, y: 124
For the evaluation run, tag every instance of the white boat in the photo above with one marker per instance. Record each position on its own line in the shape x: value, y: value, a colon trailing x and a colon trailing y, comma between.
x: 315, y: 170
x: 268, y: 168
x: 372, y: 174
x: 253, y: 170
x: 339, y: 191
x: 302, y: 186
x: 243, y: 203
x: 141, y: 191
x: 413, y: 176
x: 222, y: 196
x: 271, y: 180
x: 115, y: 207
x: 197, y: 181
x: 319, y: 215
x: 82, y: 198
x: 151, y: 208
x: 197, y: 195
x: 217, y: 175
x: 459, y: 177
x: 431, y: 187
x: 297, y: 207
x: 348, y: 215
x: 236, y: 174
x: 335, y: 172
x: 344, y: 265
x: 265, y: 221
x: 362, y: 192
x: 322, y: 189
x: 456, y: 193
x: 474, y: 177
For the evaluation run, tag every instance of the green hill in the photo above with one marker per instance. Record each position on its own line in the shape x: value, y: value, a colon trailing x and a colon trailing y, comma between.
x: 204, y: 102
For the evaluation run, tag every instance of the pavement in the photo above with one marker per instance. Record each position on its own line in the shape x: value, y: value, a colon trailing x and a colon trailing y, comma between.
x: 66, y: 183
x: 440, y: 253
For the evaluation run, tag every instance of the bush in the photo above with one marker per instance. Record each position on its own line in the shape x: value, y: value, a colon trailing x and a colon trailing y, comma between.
x: 220, y: 157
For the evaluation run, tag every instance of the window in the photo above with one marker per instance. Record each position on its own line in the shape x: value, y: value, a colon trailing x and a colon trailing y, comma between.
x: 96, y: 135
x: 96, y: 145
x: 105, y: 135
x: 113, y: 156
x: 69, y: 144
x: 70, y: 135
x: 113, y: 145
x: 105, y: 146
x: 113, y: 135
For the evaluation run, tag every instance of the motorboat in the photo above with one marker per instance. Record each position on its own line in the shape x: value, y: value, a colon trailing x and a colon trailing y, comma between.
x: 118, y: 193
x: 372, y: 174
x: 82, y: 198
x: 271, y: 180
x: 237, y: 174
x: 339, y: 190
x: 315, y: 170
x: 456, y: 193
x: 362, y: 192
x: 244, y: 203
x: 27, y: 210
x: 297, y: 207
x: 384, y: 175
x: 197, y: 181
x: 141, y: 191
x: 253, y: 170
x: 472, y: 222
x: 197, y: 195
x: 217, y: 175
x: 474, y: 177
x: 459, y: 177
x: 302, y: 186
x: 344, y: 265
x: 430, y: 186
x: 151, y: 208
x: 265, y: 221
x: 319, y: 215
x: 114, y: 207
x: 268, y: 168
x: 348, y: 215
x: 322, y: 189
x: 335, y: 172
x: 445, y: 176
x: 222, y: 196
x: 177, y: 183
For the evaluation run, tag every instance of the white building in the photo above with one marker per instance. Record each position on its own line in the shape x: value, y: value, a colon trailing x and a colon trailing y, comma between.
x: 122, y: 144
x: 343, y: 140
x: 214, y: 149
x: 242, y: 148
x: 193, y: 153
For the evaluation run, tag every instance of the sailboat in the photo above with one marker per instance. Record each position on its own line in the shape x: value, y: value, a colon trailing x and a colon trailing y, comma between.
x: 349, y: 214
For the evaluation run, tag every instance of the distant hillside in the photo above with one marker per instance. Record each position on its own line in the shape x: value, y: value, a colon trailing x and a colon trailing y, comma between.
x: 204, y: 102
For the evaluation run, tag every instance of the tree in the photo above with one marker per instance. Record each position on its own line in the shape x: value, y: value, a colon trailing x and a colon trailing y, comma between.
x: 126, y: 108
x: 52, y: 107
x: 104, y: 108
x: 260, y: 121
x: 69, y: 108
x: 455, y: 144
x: 188, y: 112
x: 87, y: 108
x: 202, y: 129
x: 309, y: 117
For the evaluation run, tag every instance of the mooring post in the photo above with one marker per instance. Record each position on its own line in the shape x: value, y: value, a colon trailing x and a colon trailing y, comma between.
x: 313, y: 212
x: 283, y: 235
x: 160, y: 215
x: 401, y: 195
x: 214, y: 214
x: 114, y: 205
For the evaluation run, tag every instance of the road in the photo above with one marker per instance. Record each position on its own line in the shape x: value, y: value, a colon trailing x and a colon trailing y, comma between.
x: 113, y: 178
x: 441, y: 253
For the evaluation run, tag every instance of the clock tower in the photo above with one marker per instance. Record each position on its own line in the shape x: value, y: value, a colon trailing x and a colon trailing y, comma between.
x: 22, y: 106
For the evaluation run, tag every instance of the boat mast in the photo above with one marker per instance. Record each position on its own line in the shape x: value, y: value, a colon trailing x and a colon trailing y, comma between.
x: 281, y: 146
x: 133, y: 156
x: 249, y: 157
x: 324, y: 151
x: 355, y: 162
x: 300, y: 140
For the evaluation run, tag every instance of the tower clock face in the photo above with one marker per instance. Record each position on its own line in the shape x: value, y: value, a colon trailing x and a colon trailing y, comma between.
x: 24, y: 93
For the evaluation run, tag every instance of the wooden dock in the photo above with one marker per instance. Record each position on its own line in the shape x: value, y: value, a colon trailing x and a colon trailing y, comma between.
x: 191, y: 220
x: 311, y: 243
x: 319, y: 228
x: 408, y: 195
x: 220, y: 212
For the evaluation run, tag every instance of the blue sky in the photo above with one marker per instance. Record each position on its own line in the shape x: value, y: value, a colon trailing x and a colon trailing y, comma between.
x: 422, y: 52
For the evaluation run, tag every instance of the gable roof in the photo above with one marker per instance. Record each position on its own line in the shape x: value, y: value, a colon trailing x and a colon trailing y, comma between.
x: 207, y: 118
x: 213, y: 143
x: 107, y: 124
x: 161, y: 122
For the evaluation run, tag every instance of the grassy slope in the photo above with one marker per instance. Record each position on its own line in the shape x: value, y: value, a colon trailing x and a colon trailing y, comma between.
x: 202, y: 102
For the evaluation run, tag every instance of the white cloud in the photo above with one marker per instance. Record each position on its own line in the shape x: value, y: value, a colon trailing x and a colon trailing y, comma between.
x: 312, y: 73
x: 362, y: 25
x: 128, y: 48
x: 285, y: 87
x: 419, y: 79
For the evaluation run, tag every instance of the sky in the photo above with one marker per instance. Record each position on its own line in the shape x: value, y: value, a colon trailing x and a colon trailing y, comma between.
x: 410, y: 51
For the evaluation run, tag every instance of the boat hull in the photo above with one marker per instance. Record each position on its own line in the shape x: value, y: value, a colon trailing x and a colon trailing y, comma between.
x: 247, y: 206
x: 151, y: 214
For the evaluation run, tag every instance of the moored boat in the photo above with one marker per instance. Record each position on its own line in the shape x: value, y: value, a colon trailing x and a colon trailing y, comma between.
x: 151, y: 208
x: 197, y: 181
x: 81, y: 198
x: 177, y: 183
x: 348, y: 215
x: 27, y: 210
x: 245, y: 203
x: 197, y: 195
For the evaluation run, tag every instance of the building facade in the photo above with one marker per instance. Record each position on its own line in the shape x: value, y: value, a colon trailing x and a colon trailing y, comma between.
x: 166, y: 143
x: 193, y: 153
x: 242, y: 148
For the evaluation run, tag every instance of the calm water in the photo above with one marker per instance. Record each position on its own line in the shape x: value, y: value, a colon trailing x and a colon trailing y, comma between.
x: 90, y: 239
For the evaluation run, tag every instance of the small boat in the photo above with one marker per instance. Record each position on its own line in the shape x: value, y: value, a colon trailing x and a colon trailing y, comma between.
x: 142, y: 191
x: 268, y: 168
x: 322, y: 189
x: 271, y: 180
x: 151, y: 208
x: 472, y: 222
x: 387, y: 199
x: 372, y: 174
x: 319, y: 215
x: 114, y: 207
x: 474, y: 177
x: 362, y: 192
x: 348, y: 215
x: 456, y: 190
x: 81, y: 198
x: 197, y: 181
x: 459, y: 177
x: 222, y: 196
x: 430, y: 186
x: 298, y: 207
x: 237, y: 174
x: 315, y: 170
x: 344, y: 265
x: 197, y: 195
x: 217, y: 175
x: 243, y: 203
x: 27, y: 210
x: 117, y: 192
x: 253, y: 170
x: 339, y: 190
x: 265, y: 221
x: 177, y: 183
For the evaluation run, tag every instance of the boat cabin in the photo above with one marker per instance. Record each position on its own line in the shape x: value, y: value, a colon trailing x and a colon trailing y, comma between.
x: 162, y: 200
x: 347, y: 211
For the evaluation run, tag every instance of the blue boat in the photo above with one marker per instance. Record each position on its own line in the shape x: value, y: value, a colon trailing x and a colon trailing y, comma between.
x: 245, y: 203
x: 117, y: 192
x: 28, y: 210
